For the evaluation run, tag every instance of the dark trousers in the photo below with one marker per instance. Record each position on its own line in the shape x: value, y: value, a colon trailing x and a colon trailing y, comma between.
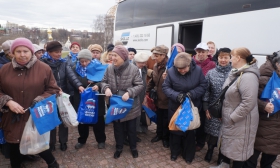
x: 62, y: 134
x: 119, y: 133
x: 266, y: 160
x: 184, y: 144
x: 200, y: 134
x: 162, y: 124
x: 235, y: 164
x: 98, y: 130
x: 5, y: 149
x: 16, y: 156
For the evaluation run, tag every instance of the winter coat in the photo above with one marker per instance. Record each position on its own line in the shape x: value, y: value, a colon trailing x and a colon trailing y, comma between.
x: 268, y: 134
x: 150, y: 66
x: 193, y: 82
x: 240, y: 116
x: 162, y: 100
x: 206, y: 65
x: 63, y: 73
x: 71, y: 64
x: 129, y: 80
x: 144, y: 77
x: 23, y: 85
x: 3, y: 59
x: 215, y: 78
x: 77, y: 95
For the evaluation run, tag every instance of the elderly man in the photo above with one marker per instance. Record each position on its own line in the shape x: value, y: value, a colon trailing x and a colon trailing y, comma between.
x: 204, y: 60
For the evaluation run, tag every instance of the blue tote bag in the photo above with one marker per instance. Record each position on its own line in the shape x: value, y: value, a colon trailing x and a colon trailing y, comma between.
x: 2, y: 139
x: 118, y: 108
x: 152, y: 115
x: 45, y: 115
x: 88, y: 108
x: 271, y: 92
x: 185, y: 116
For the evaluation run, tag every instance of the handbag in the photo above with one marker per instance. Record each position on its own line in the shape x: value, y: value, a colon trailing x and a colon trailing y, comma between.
x: 67, y: 112
x: 144, y: 119
x: 31, y: 142
x: 194, y: 123
x: 215, y: 108
x: 153, y: 92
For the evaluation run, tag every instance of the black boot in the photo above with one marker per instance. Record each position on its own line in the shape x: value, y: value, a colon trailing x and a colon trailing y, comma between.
x: 220, y: 158
x: 53, y: 165
x: 209, y: 153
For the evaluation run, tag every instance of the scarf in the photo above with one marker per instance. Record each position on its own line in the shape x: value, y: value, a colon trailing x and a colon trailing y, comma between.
x: 162, y: 64
x: 120, y: 69
x: 82, y: 71
x: 48, y: 57
x: 73, y: 56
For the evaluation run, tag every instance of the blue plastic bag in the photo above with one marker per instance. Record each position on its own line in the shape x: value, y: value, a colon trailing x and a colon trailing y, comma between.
x: 88, y: 108
x: 185, y: 116
x: 2, y: 139
x: 152, y: 115
x: 45, y: 115
x: 118, y: 108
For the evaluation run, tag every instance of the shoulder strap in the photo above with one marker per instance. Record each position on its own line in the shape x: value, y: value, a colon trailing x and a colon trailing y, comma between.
x: 232, y: 81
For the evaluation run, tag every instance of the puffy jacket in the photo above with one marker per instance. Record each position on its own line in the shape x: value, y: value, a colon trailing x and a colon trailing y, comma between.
x: 240, y: 115
x: 193, y: 82
x: 62, y: 72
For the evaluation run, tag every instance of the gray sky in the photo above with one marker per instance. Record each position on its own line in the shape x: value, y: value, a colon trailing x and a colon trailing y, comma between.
x: 68, y: 14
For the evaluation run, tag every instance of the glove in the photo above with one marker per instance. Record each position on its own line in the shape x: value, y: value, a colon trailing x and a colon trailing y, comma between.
x: 181, y: 97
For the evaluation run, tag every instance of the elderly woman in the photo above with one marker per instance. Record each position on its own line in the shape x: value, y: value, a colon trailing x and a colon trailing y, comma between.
x: 24, y: 82
x: 184, y: 79
x: 63, y: 74
x: 72, y: 56
x: 240, y: 116
x: 140, y: 60
x: 215, y: 78
x: 123, y: 78
x: 160, y: 54
x: 84, y: 59
x: 96, y: 51
x: 106, y: 57
x: 267, y: 138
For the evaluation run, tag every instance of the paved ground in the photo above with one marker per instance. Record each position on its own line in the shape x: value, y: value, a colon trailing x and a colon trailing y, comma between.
x: 151, y: 155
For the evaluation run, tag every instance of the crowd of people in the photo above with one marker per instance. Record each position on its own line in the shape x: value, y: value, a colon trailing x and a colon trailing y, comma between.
x: 248, y: 126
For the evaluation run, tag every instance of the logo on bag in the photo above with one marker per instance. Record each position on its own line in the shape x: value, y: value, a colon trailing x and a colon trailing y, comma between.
x: 44, y: 109
x: 117, y: 111
x: 90, y: 107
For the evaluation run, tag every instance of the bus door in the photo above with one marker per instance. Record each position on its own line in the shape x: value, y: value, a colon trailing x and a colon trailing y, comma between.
x: 190, y: 34
x: 165, y: 36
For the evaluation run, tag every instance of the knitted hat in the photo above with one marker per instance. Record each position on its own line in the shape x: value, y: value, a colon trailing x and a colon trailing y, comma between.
x: 121, y: 51
x: 53, y: 46
x: 22, y: 42
x: 84, y: 53
x: 161, y: 49
x: 178, y: 45
x: 182, y: 60
x: 7, y: 45
x: 75, y: 43
x: 118, y: 43
x: 141, y: 57
x: 132, y: 50
x: 95, y: 47
x: 37, y: 48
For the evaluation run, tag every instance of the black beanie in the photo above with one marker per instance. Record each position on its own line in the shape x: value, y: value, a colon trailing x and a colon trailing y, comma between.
x: 110, y: 47
x: 132, y: 50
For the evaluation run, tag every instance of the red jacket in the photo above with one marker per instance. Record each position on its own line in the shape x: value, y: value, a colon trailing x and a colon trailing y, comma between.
x: 206, y: 65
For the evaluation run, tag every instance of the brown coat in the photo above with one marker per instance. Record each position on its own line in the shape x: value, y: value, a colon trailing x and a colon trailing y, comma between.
x: 162, y: 101
x: 240, y: 115
x: 268, y: 134
x: 150, y: 66
x: 23, y: 85
x: 129, y: 80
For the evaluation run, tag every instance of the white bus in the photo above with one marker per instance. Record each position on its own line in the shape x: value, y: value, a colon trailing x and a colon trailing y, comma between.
x: 255, y: 24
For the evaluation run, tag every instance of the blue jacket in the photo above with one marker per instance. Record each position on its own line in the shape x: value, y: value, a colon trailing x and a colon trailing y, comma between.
x: 3, y: 59
x: 193, y: 82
